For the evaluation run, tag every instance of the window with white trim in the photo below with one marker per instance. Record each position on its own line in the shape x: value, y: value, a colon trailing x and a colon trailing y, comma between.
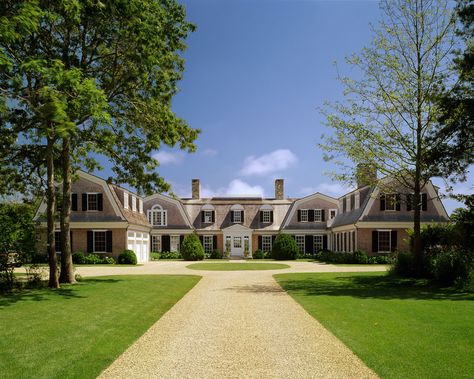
x: 384, y: 241
x: 318, y: 215
x: 237, y: 217
x: 304, y: 215
x: 317, y: 243
x: 157, y: 216
x: 237, y: 242
x: 208, y: 242
x: 125, y: 200
x: 155, y: 243
x: 99, y: 241
x: 174, y: 243
x: 267, y: 243
x: 300, y: 242
x: 134, y: 203
x: 332, y: 213
x: 92, y: 201
x: 357, y: 201
x: 266, y: 217
x: 140, y: 205
x: 208, y: 217
x: 391, y: 201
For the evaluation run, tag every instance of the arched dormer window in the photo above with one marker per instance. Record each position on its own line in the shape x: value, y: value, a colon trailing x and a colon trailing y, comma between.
x: 157, y: 216
x: 208, y: 214
x: 237, y: 213
x: 266, y: 214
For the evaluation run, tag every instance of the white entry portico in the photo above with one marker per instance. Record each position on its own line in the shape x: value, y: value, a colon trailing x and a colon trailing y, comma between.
x: 238, y: 239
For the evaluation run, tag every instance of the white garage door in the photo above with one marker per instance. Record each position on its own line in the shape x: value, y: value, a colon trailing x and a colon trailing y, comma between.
x: 138, y: 242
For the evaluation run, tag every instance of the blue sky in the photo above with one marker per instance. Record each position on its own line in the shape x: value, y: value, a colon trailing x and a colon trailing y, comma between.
x: 256, y: 72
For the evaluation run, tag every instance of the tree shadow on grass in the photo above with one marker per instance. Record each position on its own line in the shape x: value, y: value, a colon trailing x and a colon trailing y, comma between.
x: 374, y: 287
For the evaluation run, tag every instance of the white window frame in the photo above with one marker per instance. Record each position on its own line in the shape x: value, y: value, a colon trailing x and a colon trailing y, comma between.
x: 125, y: 199
x: 208, y: 243
x: 348, y: 203
x: 156, y: 245
x: 175, y: 243
x: 318, y: 243
x: 357, y: 201
x: 140, y: 205
x: 318, y: 215
x: 96, y: 201
x: 208, y: 217
x: 266, y: 216
x: 237, y: 219
x: 239, y: 245
x: 300, y: 241
x: 134, y: 203
x: 94, y: 241
x: 305, y: 213
x: 394, y: 197
x: 153, y: 216
x: 335, y: 213
x: 267, y: 243
x: 389, y: 231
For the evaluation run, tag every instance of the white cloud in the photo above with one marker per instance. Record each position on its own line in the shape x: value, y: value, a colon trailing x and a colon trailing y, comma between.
x: 268, y: 163
x: 239, y: 187
x: 209, y: 152
x: 330, y: 189
x: 168, y: 158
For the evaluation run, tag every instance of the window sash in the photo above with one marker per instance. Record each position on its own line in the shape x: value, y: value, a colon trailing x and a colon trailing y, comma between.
x: 391, y: 202
x: 207, y: 216
x: 208, y: 242
x: 156, y: 243
x: 157, y: 217
x: 300, y: 242
x: 304, y: 215
x: 318, y: 215
x: 174, y: 243
x: 92, y: 202
x: 317, y: 243
x: 237, y: 217
x: 266, y: 216
x: 332, y: 213
x: 237, y: 242
x: 100, y: 245
x: 384, y: 241
x: 267, y: 243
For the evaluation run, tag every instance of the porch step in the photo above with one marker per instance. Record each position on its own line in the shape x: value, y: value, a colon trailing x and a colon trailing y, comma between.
x: 236, y: 257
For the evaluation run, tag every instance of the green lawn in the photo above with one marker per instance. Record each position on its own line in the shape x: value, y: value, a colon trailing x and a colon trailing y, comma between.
x: 236, y: 266
x: 399, y: 328
x: 77, y: 331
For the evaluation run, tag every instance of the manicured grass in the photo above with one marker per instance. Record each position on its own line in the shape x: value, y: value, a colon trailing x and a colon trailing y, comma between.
x: 236, y: 266
x: 77, y: 331
x: 399, y: 328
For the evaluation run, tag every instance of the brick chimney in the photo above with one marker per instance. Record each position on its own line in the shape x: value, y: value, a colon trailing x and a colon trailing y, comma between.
x: 366, y: 174
x: 279, y: 189
x: 196, y: 189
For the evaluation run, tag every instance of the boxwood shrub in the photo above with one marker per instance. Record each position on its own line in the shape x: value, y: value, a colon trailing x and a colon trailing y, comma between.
x: 191, y: 248
x: 127, y: 257
x: 285, y: 247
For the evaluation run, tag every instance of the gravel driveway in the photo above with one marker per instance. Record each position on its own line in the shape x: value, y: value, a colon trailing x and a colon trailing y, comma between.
x: 235, y: 324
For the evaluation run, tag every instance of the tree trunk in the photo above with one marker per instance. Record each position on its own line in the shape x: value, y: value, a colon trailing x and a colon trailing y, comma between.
x: 67, y: 268
x: 51, y: 205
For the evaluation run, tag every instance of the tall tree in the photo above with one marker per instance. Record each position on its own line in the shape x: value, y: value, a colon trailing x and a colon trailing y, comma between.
x: 389, y: 107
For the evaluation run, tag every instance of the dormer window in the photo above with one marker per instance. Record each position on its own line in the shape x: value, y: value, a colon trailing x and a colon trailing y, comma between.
x: 208, y: 214
x: 332, y: 213
x: 390, y: 202
x: 357, y: 201
x: 92, y: 201
x: 157, y: 216
x: 318, y: 215
x: 303, y: 215
x: 140, y: 205
x: 266, y: 217
x: 237, y: 216
x: 237, y: 213
x: 134, y: 203
x: 266, y: 214
x: 125, y: 199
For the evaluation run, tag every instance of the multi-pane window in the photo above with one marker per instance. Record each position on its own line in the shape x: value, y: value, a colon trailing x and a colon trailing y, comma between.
x: 332, y: 213
x: 134, y: 203
x: 156, y: 243
x: 174, y: 243
x: 391, y: 201
x: 384, y: 241
x: 208, y: 242
x: 267, y: 243
x: 207, y: 216
x: 304, y: 215
x: 237, y: 216
x: 266, y: 217
x: 125, y: 200
x: 237, y: 242
x: 317, y: 243
x: 140, y: 205
x: 99, y: 241
x: 246, y: 243
x: 57, y: 241
x: 92, y: 202
x: 300, y: 242
x: 318, y: 215
x: 157, y: 216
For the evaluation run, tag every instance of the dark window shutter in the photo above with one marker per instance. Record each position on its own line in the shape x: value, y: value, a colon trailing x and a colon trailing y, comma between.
x: 398, y: 201
x: 74, y: 202
x: 201, y: 238
x: 232, y: 216
x: 202, y: 216
x: 271, y: 217
x: 90, y: 241
x: 100, y: 202
x: 261, y: 216
x: 409, y: 202
x: 375, y: 241
x: 214, y: 242
x: 323, y: 215
x: 181, y: 239
x: 344, y: 205
x: 242, y: 217
x: 352, y: 202
x: 213, y: 216
x: 310, y: 215
x: 382, y: 202
x: 393, y: 240
x: 308, y: 244
x: 299, y: 215
x: 259, y: 242
x: 165, y: 243
x: 424, y: 201
x: 325, y: 242
x: 273, y: 241
x: 84, y: 201
x: 108, y: 241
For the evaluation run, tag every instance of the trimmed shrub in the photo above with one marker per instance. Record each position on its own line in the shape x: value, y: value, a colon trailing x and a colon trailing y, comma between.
x: 191, y: 248
x: 155, y: 255
x: 285, y: 247
x: 258, y: 254
x: 93, y: 259
x: 403, y: 265
x: 127, y: 257
x: 170, y: 255
x: 216, y: 254
x: 108, y: 260
x: 451, y: 266
x: 360, y: 257
x: 78, y: 258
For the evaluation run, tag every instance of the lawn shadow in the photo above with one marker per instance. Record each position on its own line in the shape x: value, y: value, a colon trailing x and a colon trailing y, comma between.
x: 256, y: 288
x: 374, y: 287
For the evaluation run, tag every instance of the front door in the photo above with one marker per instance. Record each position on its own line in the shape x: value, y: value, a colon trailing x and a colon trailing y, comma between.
x: 237, y: 246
